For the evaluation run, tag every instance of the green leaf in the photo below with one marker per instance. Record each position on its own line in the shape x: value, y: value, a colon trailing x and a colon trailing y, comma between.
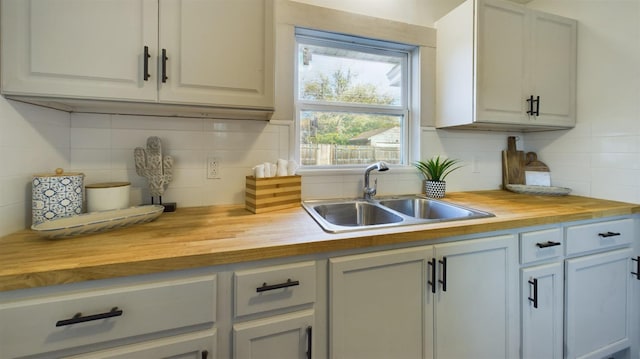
x: 436, y: 168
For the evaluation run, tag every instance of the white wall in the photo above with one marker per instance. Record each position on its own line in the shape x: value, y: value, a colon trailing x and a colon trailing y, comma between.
x: 32, y: 140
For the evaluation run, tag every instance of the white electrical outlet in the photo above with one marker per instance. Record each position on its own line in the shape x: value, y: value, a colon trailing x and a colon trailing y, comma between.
x: 213, y: 168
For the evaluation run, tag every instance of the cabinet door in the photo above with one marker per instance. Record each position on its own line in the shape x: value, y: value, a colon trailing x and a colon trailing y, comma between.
x: 219, y: 52
x: 476, y: 307
x: 502, y: 37
x: 79, y: 48
x: 287, y: 336
x: 189, y: 346
x: 553, y: 69
x: 542, y: 300
x: 379, y: 307
x: 598, y: 299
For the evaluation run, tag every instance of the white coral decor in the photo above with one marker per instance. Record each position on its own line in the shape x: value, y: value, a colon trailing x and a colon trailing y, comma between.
x: 156, y: 168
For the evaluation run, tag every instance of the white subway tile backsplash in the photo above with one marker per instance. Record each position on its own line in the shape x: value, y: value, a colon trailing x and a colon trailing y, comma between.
x: 188, y: 159
x: 90, y: 159
x: 188, y: 177
x: 90, y: 120
x: 157, y: 123
x: 605, y: 161
x: 90, y: 138
x: 615, y: 144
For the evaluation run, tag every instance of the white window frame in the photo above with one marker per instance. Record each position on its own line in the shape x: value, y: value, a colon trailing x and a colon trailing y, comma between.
x: 380, y: 47
x: 292, y: 14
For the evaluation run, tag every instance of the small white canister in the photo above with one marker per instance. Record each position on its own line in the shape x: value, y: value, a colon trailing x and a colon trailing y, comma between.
x: 107, y: 196
x: 56, y: 195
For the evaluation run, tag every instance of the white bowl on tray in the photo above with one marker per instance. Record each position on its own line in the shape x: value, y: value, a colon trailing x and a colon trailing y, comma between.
x: 95, y: 222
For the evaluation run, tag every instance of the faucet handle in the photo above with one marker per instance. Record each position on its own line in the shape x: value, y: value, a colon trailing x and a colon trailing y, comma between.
x: 371, y: 191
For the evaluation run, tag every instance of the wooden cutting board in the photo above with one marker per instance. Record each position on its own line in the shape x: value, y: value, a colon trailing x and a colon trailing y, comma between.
x: 536, y: 172
x: 512, y: 164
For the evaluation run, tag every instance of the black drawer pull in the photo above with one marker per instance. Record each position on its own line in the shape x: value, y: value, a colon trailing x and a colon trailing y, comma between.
x: 608, y: 234
x: 637, y: 272
x: 288, y: 283
x: 548, y: 244
x: 534, y: 282
x: 78, y: 318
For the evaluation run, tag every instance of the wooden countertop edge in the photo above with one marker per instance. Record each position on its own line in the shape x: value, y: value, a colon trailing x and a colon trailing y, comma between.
x: 352, y: 240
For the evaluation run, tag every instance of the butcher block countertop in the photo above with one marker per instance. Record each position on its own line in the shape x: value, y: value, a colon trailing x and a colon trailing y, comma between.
x: 206, y: 236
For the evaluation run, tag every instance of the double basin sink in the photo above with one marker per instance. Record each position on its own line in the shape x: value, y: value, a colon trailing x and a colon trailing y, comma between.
x: 343, y: 215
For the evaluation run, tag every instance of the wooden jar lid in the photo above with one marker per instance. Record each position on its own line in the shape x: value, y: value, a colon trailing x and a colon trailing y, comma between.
x: 108, y: 185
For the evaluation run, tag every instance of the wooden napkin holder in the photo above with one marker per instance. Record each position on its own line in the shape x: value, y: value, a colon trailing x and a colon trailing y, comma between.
x: 273, y: 193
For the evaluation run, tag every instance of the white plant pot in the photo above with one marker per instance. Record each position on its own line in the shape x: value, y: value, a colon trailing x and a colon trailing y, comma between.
x: 435, y: 189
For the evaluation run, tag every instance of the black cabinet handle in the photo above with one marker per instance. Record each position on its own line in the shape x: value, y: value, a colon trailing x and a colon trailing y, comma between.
x: 548, y: 244
x: 205, y: 354
x: 432, y: 282
x: 444, y: 274
x: 637, y: 272
x: 535, y: 292
x: 78, y: 318
x: 309, y: 340
x: 288, y: 283
x: 164, y: 65
x: 145, y: 62
x: 608, y: 234
x: 535, y: 102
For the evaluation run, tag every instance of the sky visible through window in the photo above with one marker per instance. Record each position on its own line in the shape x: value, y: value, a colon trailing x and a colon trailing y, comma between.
x: 364, y: 69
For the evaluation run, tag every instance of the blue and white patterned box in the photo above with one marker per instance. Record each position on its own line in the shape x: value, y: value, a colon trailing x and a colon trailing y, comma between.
x: 56, y: 196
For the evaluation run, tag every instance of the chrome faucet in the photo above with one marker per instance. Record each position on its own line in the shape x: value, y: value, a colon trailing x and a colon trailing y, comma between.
x: 369, y: 192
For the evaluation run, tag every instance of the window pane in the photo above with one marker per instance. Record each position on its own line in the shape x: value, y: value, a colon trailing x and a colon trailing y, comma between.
x: 349, y: 138
x: 339, y: 75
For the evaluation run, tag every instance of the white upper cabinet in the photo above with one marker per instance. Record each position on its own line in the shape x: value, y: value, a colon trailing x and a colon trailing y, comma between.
x: 218, y: 51
x: 500, y: 65
x: 142, y: 56
x: 79, y: 48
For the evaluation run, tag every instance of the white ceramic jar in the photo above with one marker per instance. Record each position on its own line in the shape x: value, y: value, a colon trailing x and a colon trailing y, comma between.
x: 107, y: 196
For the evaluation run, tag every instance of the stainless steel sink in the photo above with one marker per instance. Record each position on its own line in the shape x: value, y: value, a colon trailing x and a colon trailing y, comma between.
x: 429, y: 209
x: 341, y: 215
x: 356, y: 213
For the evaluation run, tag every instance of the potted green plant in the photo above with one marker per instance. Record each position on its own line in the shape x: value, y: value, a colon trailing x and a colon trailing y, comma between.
x: 434, y: 171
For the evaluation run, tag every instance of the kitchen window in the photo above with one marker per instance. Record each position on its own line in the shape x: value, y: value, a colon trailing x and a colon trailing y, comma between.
x: 351, y: 100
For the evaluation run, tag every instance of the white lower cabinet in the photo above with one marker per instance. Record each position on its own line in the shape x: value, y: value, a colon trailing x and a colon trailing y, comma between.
x: 189, y: 346
x: 107, y: 314
x: 476, y: 314
x: 453, y: 300
x: 380, y: 305
x: 542, y: 294
x: 287, y: 336
x: 274, y: 311
x: 576, y: 291
x: 598, y: 304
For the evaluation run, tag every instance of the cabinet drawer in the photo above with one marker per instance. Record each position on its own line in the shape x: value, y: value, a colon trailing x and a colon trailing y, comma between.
x: 598, y: 236
x: 277, y: 287
x: 46, y: 324
x: 541, y: 245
